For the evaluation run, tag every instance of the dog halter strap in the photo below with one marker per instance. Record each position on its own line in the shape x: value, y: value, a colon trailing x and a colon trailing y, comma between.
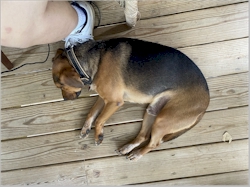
x: 86, y: 79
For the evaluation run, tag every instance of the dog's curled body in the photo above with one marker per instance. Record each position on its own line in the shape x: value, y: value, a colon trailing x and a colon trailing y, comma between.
x: 125, y: 69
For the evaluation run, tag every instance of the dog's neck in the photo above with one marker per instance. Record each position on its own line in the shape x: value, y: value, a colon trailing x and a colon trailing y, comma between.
x: 88, y: 54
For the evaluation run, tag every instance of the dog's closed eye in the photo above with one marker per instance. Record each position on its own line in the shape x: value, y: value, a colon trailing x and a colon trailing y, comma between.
x: 56, y: 79
x: 74, y: 82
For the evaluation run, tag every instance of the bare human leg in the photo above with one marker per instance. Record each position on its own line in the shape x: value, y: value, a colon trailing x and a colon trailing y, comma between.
x: 28, y: 23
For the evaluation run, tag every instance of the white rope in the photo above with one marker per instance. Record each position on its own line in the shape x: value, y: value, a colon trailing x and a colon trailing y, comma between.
x: 131, y: 11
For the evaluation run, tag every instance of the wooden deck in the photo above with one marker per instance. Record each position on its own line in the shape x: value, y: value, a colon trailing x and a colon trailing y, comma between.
x: 40, y: 132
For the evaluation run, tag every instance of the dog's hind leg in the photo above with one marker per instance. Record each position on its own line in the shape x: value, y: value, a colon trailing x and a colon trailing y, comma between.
x: 163, y: 130
x: 148, y: 120
x: 155, y: 140
x: 143, y: 135
x: 180, y: 114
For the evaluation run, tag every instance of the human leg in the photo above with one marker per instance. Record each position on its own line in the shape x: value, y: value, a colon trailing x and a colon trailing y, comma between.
x: 28, y: 23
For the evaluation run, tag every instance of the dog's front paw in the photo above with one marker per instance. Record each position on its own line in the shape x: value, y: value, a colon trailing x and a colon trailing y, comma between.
x: 99, y: 139
x: 84, y: 132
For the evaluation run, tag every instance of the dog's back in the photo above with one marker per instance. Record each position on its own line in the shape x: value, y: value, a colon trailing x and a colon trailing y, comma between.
x: 166, y: 78
x: 153, y: 68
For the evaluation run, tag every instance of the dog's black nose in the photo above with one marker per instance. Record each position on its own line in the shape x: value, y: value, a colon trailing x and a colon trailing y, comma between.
x: 78, y: 93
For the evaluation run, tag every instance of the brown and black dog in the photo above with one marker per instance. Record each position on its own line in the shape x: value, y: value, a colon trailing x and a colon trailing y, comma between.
x: 125, y: 69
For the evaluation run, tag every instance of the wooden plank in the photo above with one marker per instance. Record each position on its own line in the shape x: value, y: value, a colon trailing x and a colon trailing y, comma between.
x: 47, y: 175
x: 191, y: 28
x: 165, y: 165
x: 233, y: 178
x: 5, y: 61
x: 220, y: 59
x: 31, y: 89
x: 228, y: 57
x: 200, y: 160
x: 57, y: 117
x: 226, y: 92
x: 32, y: 54
x: 68, y: 147
x: 187, y: 29
x: 112, y: 12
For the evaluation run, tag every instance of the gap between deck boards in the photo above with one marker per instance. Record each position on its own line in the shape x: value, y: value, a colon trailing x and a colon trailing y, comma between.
x: 67, y: 147
x: 200, y: 160
x: 226, y: 178
x: 226, y: 91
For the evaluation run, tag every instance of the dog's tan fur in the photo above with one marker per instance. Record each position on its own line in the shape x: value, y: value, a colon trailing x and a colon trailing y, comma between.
x: 169, y: 114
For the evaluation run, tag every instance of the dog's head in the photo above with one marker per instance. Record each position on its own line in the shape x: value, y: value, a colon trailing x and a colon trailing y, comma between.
x: 65, y: 77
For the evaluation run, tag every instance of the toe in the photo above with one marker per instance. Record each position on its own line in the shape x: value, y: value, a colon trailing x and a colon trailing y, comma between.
x: 134, y: 156
x: 84, y: 133
x: 118, y: 152
x: 99, y: 140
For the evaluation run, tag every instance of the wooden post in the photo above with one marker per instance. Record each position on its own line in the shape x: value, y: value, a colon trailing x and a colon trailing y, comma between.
x: 6, y: 62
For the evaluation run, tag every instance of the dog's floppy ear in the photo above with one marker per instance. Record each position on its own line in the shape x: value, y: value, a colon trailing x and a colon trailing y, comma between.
x: 72, y: 79
x: 58, y: 52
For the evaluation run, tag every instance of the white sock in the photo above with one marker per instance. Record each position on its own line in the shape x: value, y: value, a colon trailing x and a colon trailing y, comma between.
x: 81, y: 19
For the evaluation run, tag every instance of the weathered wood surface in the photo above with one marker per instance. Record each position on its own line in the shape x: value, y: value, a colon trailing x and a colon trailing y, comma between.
x: 164, y: 165
x: 180, y: 30
x: 214, y: 60
x: 184, y: 162
x: 215, y: 38
x: 32, y: 54
x: 232, y: 178
x: 190, y: 28
x: 113, y: 13
x: 56, y: 117
x: 66, y: 147
x: 225, y: 92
